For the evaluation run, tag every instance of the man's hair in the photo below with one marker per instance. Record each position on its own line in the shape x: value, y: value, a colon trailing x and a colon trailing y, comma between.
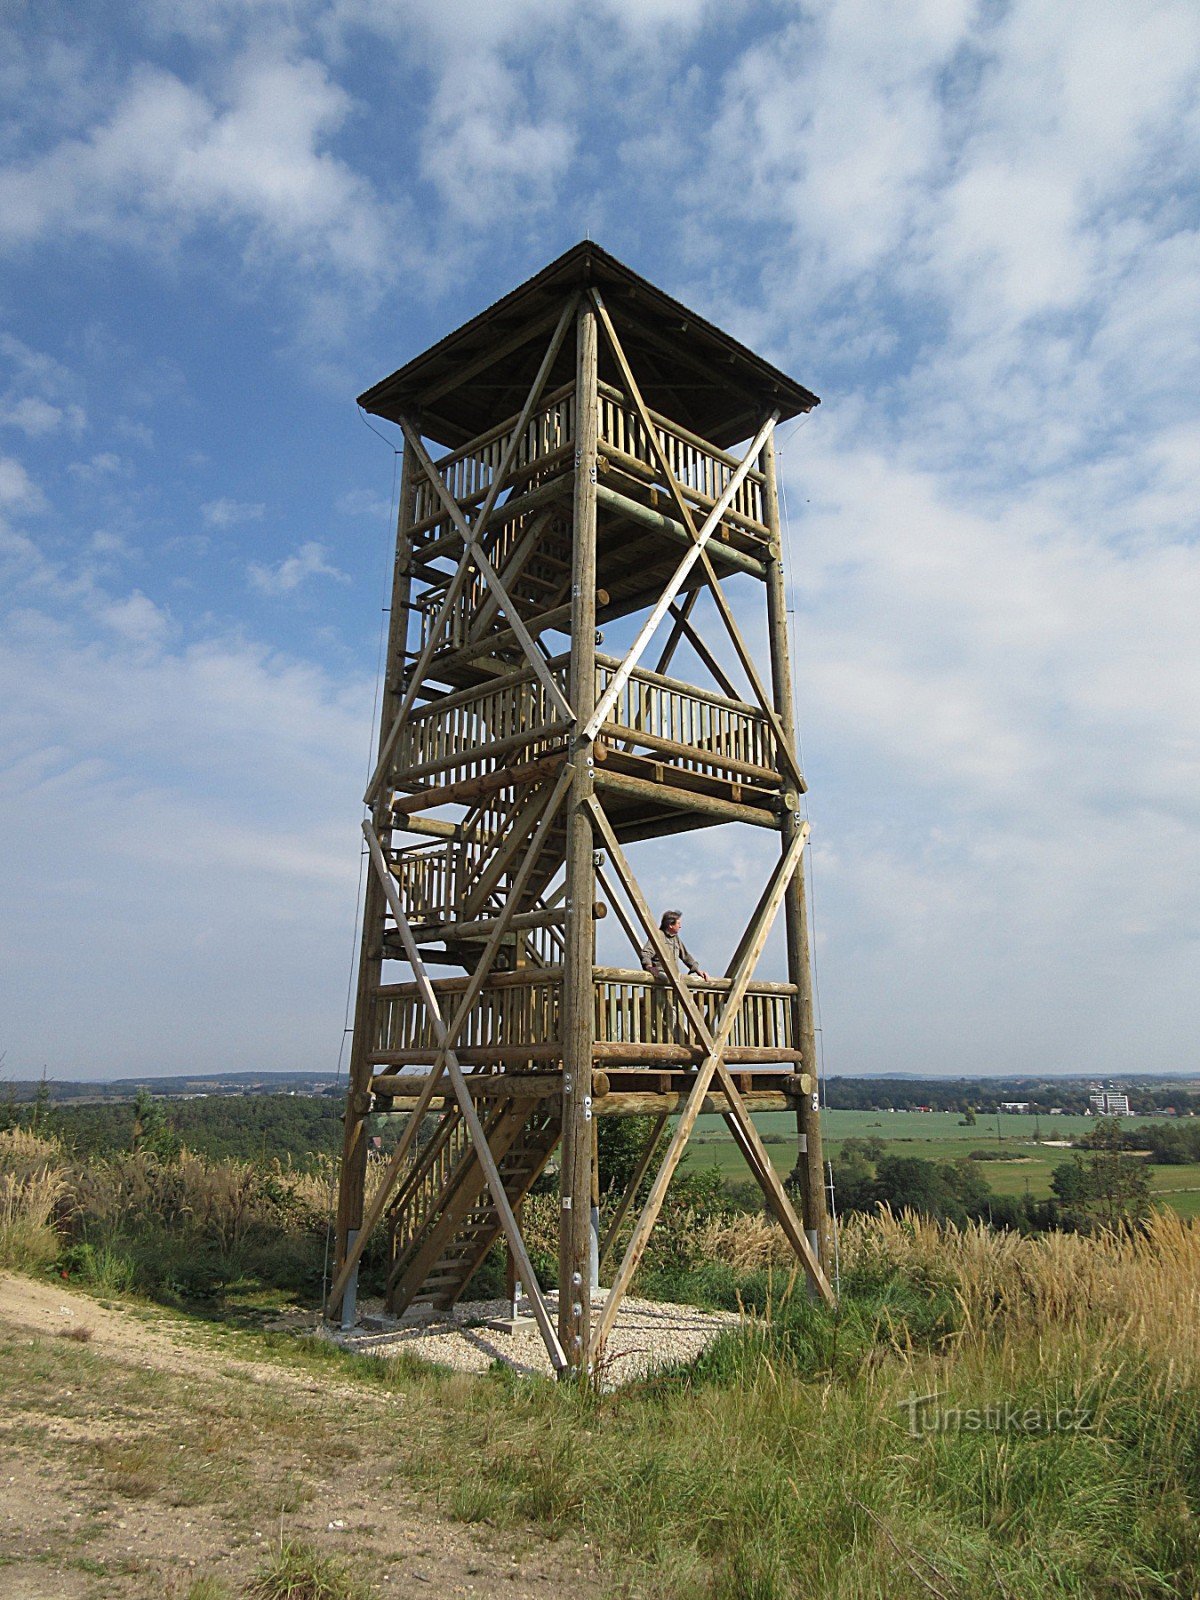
x: 670, y: 916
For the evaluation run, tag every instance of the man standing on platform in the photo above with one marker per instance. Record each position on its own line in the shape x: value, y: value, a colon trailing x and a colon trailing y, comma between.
x: 677, y: 952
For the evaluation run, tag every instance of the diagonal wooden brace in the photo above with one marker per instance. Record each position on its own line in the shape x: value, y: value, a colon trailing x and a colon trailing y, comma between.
x: 714, y: 1042
x: 483, y: 1154
x: 469, y: 538
x: 665, y: 601
x: 448, y: 1036
x: 685, y: 512
x: 484, y: 562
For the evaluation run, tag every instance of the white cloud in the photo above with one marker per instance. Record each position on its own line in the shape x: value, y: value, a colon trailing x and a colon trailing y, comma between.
x: 1007, y: 708
x: 18, y: 492
x: 135, y: 619
x: 36, y: 417
x: 228, y: 513
x: 104, y: 464
x: 171, y: 158
x: 105, y: 543
x: 363, y: 503
x: 308, y: 562
x: 41, y: 396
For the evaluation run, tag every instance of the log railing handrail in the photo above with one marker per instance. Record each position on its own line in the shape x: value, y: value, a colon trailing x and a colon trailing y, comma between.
x: 501, y: 430
x: 609, y: 391
x: 685, y: 726
x: 701, y: 471
x: 517, y: 1013
x: 703, y: 468
x: 468, y: 471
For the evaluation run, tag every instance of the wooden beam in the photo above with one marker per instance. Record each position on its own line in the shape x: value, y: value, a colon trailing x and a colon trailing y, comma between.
x: 684, y: 799
x: 478, y: 1139
x: 659, y: 522
x: 352, y: 1170
x: 641, y: 1167
x: 469, y: 790
x: 650, y: 626
x: 518, y: 556
x: 715, y: 1042
x: 701, y: 535
x: 577, y: 1004
x: 467, y: 999
x: 810, y: 1159
x: 430, y: 827
x: 471, y: 546
x: 483, y: 561
x: 623, y: 917
x: 549, y: 916
x: 521, y: 823
x: 698, y: 645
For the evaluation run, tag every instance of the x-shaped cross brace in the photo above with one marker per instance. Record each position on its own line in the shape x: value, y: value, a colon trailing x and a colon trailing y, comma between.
x: 713, y: 1040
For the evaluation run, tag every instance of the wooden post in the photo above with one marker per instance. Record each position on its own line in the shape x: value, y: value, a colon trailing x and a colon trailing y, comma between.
x: 810, y: 1165
x: 370, y: 960
x: 574, y: 1278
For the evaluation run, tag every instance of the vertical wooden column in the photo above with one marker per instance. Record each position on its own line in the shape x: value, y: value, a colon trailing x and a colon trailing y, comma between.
x: 576, y: 1018
x: 370, y: 960
x: 810, y: 1163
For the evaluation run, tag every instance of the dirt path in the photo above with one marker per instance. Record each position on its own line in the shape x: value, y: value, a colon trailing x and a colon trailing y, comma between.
x: 138, y: 1457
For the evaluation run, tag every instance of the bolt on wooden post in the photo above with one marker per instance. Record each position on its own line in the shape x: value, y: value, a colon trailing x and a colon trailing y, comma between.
x: 585, y: 452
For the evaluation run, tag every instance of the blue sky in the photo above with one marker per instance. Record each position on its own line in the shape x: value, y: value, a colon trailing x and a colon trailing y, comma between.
x: 971, y: 228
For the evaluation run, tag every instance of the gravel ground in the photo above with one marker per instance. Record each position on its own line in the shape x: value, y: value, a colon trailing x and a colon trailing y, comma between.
x: 647, y: 1335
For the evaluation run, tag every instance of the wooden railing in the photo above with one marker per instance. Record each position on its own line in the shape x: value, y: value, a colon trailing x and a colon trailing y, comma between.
x: 440, y: 883
x: 514, y: 1023
x: 424, y: 1180
x: 687, y: 727
x: 633, y: 1009
x: 465, y: 734
x: 428, y: 879
x: 468, y: 471
x: 700, y: 469
x: 543, y: 565
x: 515, y: 1018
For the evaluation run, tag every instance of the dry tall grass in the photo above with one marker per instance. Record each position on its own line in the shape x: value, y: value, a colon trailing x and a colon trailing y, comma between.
x: 33, y: 1192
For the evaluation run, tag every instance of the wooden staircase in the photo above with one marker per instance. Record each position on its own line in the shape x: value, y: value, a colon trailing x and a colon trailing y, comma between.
x: 443, y: 1221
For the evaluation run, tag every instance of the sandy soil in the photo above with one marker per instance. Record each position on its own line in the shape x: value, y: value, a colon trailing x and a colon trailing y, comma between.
x: 98, y: 1398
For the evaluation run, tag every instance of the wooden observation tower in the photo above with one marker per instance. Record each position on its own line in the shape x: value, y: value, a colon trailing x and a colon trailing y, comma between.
x: 587, y: 451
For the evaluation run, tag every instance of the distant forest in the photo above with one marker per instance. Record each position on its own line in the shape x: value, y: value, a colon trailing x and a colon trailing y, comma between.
x: 260, y: 1127
x: 1147, y: 1097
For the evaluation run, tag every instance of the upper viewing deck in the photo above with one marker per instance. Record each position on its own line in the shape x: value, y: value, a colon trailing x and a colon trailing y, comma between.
x: 704, y: 394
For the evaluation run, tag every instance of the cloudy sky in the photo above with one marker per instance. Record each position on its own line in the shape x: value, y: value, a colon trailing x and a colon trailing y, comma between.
x: 971, y: 228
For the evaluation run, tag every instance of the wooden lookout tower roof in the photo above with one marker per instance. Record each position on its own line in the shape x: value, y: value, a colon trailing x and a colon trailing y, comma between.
x: 689, y: 370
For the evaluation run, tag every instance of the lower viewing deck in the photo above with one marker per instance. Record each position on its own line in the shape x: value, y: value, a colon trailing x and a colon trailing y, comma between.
x: 511, y: 1041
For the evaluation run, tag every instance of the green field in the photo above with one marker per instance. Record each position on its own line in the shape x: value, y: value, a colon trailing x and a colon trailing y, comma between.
x: 939, y: 1136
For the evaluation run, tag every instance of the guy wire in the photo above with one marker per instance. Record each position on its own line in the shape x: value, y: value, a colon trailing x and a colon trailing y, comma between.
x: 790, y: 601
x: 347, y: 1025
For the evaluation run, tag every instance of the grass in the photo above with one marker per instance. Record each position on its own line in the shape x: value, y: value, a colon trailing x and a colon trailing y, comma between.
x: 799, y: 1456
x: 33, y: 1185
x: 783, y: 1462
x: 298, y: 1571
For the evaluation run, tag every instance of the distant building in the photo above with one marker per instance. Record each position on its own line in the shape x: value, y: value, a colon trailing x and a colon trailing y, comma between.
x: 1109, y: 1103
x: 1015, y: 1105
